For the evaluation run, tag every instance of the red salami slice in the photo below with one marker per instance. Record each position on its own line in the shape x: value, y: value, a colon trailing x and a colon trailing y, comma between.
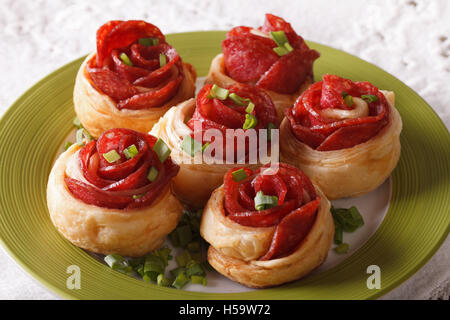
x: 144, y: 83
x: 249, y: 58
x: 116, y: 185
x: 293, y: 216
x: 333, y: 134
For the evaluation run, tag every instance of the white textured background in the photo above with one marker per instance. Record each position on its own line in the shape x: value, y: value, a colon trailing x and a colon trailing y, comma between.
x: 408, y: 38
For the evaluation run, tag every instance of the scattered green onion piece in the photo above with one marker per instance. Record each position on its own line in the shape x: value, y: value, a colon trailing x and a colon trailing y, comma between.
x: 111, y: 156
x: 149, y: 41
x: 175, y: 272
x: 162, y: 281
x: 180, y: 281
x: 183, y: 258
x: 281, y: 51
x: 369, y: 98
x: 152, y: 174
x: 164, y: 254
x: 146, y: 277
x: 140, y: 270
x: 193, y: 246
x: 118, y: 263
x: 348, y: 219
x: 162, y: 60
x: 349, y: 100
x: 205, y: 146
x: 67, y: 145
x: 338, y: 235
x: 137, y: 196
x: 199, y: 280
x: 217, y: 92
x: 194, y: 268
x: 125, y: 59
x: 190, y: 145
x: 263, y: 201
x: 344, y: 94
x: 238, y: 99
x: 153, y: 266
x: 161, y: 149
x: 184, y: 235
x: 173, y: 236
x: 250, y: 121
x: 279, y: 37
x: 270, y: 126
x: 250, y: 107
x: 81, y: 135
x: 239, y: 175
x: 131, y: 152
x: 288, y: 47
x: 342, y: 248
x: 77, y: 123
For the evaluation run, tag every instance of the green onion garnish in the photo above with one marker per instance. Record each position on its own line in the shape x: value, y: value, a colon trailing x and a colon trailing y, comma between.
x: 369, y: 98
x: 270, y: 126
x: 263, y: 201
x: 184, y: 235
x: 344, y: 94
x: 288, y: 47
x: 152, y: 174
x: 161, y: 149
x: 67, y: 145
x: 342, y: 248
x: 118, y: 263
x: 162, y: 60
x: 77, y: 123
x: 250, y: 121
x: 183, y: 258
x: 190, y: 145
x: 111, y: 156
x: 180, y: 281
x: 217, y: 92
x: 81, y: 135
x: 193, y: 246
x: 149, y: 41
x: 131, y: 152
x: 279, y: 37
x: 348, y: 219
x: 137, y: 196
x: 194, y: 268
x: 162, y: 281
x: 250, y: 107
x: 281, y: 51
x: 338, y: 234
x: 125, y: 59
x: 199, y: 280
x: 239, y: 100
x: 348, y: 100
x: 239, y: 175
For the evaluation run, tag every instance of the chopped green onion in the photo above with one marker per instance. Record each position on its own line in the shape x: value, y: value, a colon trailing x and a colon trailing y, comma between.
x: 250, y: 107
x: 152, y: 174
x: 137, y: 196
x: 125, y: 59
x: 279, y: 37
x: 199, y: 280
x: 348, y: 219
x: 349, y: 100
x: 338, y: 234
x: 344, y: 94
x: 193, y: 246
x: 118, y: 263
x: 175, y: 272
x: 153, y: 266
x: 281, y: 51
x: 180, y: 281
x: 162, y: 281
x: 173, y: 236
x: 263, y: 201
x: 342, y: 248
x: 250, y: 121
x: 161, y: 149
x: 217, y: 92
x: 184, y: 235
x: 194, y: 268
x: 162, y: 60
x: 131, y: 152
x: 149, y: 41
x: 239, y: 100
x: 239, y: 175
x: 111, y: 156
x: 183, y: 258
x: 288, y: 47
x: 270, y: 126
x: 77, y: 123
x: 205, y: 146
x: 164, y: 254
x: 81, y: 135
x: 190, y: 145
x: 67, y: 145
x: 369, y: 98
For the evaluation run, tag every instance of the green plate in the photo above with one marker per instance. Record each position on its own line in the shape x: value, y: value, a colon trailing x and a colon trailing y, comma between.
x: 417, y: 221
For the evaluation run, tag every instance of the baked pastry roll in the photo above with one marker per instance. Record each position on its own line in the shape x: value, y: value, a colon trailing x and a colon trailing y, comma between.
x: 132, y: 80
x: 344, y: 135
x: 113, y: 195
x: 285, y: 240
x: 207, y: 118
x: 273, y: 57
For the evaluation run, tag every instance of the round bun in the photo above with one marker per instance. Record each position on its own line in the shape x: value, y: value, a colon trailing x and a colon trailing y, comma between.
x: 102, y: 230
x: 98, y: 113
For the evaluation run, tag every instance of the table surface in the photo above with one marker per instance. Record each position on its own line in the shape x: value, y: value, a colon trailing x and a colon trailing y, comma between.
x: 408, y: 38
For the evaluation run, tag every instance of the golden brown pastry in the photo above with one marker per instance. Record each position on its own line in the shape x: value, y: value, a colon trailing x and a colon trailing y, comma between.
x: 113, y: 195
x: 202, y: 171
x: 344, y: 135
x: 132, y: 80
x: 267, y: 227
x: 273, y: 57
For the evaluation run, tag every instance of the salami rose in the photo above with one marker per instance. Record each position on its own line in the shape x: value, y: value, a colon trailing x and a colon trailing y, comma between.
x: 124, y: 183
x: 267, y: 226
